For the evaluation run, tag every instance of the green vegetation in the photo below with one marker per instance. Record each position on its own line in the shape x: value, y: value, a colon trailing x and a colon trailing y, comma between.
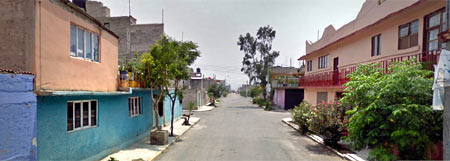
x: 392, y: 113
x: 215, y: 91
x: 258, y: 55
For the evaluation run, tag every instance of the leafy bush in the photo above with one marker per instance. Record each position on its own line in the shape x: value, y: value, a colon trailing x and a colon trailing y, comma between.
x: 268, y: 106
x: 255, y: 91
x: 301, y: 115
x: 329, y: 121
x: 392, y: 113
x: 243, y: 93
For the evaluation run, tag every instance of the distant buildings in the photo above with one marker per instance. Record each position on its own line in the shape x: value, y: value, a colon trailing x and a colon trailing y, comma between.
x: 72, y: 109
x: 384, y: 32
x: 196, y: 89
x: 133, y: 38
x: 284, y: 83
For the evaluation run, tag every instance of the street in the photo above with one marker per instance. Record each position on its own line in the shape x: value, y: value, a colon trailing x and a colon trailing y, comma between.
x: 238, y: 130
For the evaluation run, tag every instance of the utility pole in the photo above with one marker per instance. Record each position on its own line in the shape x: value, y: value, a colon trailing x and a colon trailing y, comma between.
x: 446, y: 120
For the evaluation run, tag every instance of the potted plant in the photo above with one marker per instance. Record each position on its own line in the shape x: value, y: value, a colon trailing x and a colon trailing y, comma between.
x: 123, y: 74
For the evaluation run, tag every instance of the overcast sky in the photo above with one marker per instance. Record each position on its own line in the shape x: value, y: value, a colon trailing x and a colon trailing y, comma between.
x: 215, y: 26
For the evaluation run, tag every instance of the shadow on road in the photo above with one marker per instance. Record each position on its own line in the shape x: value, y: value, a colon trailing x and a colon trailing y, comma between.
x: 246, y: 107
x: 319, y: 149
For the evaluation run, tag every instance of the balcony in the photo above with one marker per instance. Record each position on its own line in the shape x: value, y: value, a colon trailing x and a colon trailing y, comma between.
x: 285, y: 83
x: 337, y: 78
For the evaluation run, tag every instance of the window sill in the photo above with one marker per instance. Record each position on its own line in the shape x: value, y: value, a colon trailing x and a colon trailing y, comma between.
x: 82, y: 128
x: 135, y: 116
x: 88, y: 60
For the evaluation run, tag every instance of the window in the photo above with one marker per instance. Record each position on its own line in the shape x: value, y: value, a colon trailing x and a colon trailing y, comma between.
x: 106, y: 24
x: 83, y: 44
x: 323, y: 62
x: 435, y: 23
x: 322, y: 97
x: 408, y: 35
x: 376, y: 45
x: 309, y: 66
x: 134, y: 106
x: 81, y: 114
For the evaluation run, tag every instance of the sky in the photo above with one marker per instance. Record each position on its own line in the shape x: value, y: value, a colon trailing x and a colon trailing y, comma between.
x: 215, y: 26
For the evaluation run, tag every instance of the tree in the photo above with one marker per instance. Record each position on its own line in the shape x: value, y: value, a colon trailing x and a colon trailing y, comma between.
x: 154, y: 66
x: 392, y: 112
x: 258, y: 55
x: 215, y: 91
x: 178, y: 70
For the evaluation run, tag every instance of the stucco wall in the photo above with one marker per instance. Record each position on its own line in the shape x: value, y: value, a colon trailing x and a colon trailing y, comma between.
x: 55, y: 68
x: 115, y: 128
x: 279, y: 97
x: 17, y: 117
x: 311, y: 94
x: 357, y: 48
x: 17, y: 19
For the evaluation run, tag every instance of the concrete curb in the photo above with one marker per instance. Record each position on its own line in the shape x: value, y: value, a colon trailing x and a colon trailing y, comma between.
x: 318, y: 139
x: 173, y: 141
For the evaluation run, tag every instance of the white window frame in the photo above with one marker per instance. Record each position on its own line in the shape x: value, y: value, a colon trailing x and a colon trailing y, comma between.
x: 135, y: 108
x: 81, y: 115
x: 323, y: 62
x: 77, y: 28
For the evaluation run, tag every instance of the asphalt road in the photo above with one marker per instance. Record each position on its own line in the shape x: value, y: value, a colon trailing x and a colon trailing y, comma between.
x: 237, y: 130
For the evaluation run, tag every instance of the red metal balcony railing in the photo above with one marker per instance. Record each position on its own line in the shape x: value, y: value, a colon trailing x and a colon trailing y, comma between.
x: 339, y: 77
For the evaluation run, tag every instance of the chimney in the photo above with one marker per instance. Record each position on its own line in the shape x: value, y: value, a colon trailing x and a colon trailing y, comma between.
x: 80, y: 3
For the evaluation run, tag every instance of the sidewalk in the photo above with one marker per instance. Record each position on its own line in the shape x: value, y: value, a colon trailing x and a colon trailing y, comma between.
x: 348, y: 156
x: 142, y: 150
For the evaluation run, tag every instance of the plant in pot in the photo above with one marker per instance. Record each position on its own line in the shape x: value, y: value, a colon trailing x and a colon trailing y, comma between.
x: 123, y: 74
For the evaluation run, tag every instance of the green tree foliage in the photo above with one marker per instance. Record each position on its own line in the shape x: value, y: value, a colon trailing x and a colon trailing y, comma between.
x: 164, y: 66
x: 215, y: 91
x: 184, y: 55
x: 392, y: 113
x: 255, y: 91
x: 258, y: 55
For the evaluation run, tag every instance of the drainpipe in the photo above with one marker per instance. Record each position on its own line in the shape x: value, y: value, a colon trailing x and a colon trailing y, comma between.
x: 446, y: 120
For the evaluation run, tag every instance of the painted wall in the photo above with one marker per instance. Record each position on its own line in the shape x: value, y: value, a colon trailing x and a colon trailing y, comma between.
x: 17, y: 117
x: 311, y: 94
x: 168, y: 110
x: 115, y: 129
x: 356, y: 49
x: 54, y: 67
x: 279, y: 97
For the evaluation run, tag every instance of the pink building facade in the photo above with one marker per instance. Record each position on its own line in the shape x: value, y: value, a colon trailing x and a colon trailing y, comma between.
x: 383, y: 31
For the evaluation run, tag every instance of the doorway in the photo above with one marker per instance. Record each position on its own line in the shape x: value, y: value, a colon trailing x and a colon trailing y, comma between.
x: 335, y: 71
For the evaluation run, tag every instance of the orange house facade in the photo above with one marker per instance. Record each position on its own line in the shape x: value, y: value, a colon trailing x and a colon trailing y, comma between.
x: 384, y: 31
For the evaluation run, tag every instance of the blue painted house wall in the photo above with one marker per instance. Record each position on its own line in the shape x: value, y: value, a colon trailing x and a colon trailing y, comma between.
x: 17, y: 117
x: 168, y: 109
x: 115, y: 129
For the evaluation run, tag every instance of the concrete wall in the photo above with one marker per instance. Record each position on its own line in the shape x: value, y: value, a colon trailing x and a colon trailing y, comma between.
x: 115, y: 129
x: 134, y: 38
x: 55, y: 68
x: 279, y: 97
x: 96, y: 9
x: 120, y: 26
x: 17, y: 22
x: 17, y: 117
x: 144, y: 36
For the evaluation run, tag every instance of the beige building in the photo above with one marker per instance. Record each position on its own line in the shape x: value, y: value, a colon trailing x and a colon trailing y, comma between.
x: 384, y: 31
